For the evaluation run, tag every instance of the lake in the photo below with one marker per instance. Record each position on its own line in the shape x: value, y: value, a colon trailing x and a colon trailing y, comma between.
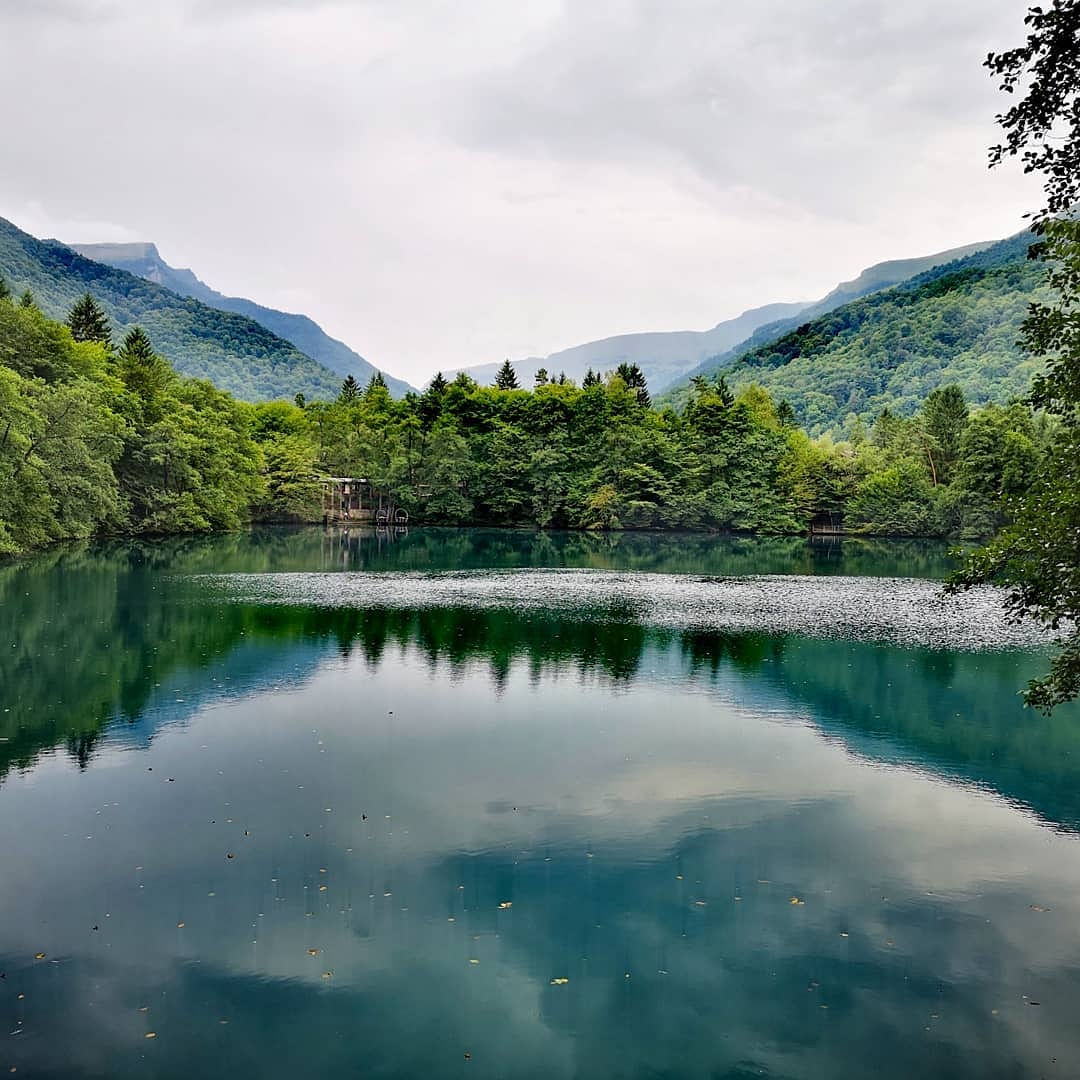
x: 291, y: 803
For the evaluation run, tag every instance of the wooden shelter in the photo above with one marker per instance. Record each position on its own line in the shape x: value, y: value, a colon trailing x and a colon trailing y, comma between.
x: 353, y: 499
x: 347, y: 498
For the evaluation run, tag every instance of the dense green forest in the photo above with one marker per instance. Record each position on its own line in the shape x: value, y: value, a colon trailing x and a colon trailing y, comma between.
x: 104, y: 439
x: 956, y: 324
x: 235, y: 353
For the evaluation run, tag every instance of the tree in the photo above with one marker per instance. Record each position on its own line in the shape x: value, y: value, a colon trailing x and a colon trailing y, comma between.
x: 27, y: 299
x: 299, y: 400
x: 724, y: 391
x: 5, y: 290
x: 88, y: 322
x: 591, y: 379
x: 506, y: 379
x: 945, y: 415
x: 542, y: 377
x: 634, y: 378
x: 376, y: 382
x: 1038, y: 557
x: 350, y: 390
x: 437, y: 385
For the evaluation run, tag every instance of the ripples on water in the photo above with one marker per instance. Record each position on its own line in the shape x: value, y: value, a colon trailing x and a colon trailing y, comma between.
x: 907, y: 611
x: 524, y: 824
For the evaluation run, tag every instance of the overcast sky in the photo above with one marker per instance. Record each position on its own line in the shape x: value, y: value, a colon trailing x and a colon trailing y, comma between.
x: 449, y: 182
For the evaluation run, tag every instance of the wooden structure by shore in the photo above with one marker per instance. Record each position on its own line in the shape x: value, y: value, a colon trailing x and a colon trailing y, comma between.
x: 352, y: 498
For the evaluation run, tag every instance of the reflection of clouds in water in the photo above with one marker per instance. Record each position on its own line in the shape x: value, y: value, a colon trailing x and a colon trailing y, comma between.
x: 907, y: 611
x: 656, y: 784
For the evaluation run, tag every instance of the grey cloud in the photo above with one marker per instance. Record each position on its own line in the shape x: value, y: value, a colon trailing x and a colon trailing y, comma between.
x: 444, y: 184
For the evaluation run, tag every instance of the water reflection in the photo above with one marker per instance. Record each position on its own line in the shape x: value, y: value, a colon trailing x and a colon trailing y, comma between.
x: 288, y: 833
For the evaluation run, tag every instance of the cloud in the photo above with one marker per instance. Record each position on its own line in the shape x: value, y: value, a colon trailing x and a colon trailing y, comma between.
x: 453, y: 184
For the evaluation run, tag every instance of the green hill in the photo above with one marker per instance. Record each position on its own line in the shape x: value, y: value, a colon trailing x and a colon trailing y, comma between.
x: 235, y: 353
x: 956, y: 323
x: 145, y: 261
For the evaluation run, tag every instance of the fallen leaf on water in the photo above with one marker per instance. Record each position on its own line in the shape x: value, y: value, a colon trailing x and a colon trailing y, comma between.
x: 150, y: 1035
x: 505, y: 904
x: 559, y: 981
x: 39, y: 956
x: 1037, y: 907
x: 230, y: 855
x: 313, y: 952
x: 180, y: 925
x: 323, y: 888
x: 473, y: 960
x: 796, y: 901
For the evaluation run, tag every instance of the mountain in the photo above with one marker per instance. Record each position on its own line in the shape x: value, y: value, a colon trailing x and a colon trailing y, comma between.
x: 663, y: 356
x: 233, y: 352
x: 873, y: 279
x: 143, y: 260
x: 669, y: 358
x: 956, y: 323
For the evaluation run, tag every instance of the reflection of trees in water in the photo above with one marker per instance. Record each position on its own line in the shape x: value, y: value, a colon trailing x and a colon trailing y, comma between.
x: 98, y: 630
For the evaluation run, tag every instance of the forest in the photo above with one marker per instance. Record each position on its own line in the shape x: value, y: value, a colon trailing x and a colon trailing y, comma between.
x: 106, y: 439
x: 959, y: 323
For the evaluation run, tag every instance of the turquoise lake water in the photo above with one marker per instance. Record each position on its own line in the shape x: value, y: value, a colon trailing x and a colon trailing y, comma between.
x: 248, y: 836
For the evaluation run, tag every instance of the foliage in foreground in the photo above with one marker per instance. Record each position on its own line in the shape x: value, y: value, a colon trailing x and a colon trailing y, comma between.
x: 1038, y: 555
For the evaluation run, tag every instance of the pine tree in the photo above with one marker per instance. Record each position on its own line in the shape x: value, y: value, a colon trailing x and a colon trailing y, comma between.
x: 507, y: 377
x: 27, y: 300
x: 300, y: 400
x: 945, y: 415
x: 634, y: 378
x: 5, y: 291
x: 591, y: 379
x: 785, y: 414
x: 88, y: 322
x: 724, y: 391
x: 350, y: 390
x: 542, y: 377
x: 376, y: 382
x: 137, y: 347
x: 437, y: 385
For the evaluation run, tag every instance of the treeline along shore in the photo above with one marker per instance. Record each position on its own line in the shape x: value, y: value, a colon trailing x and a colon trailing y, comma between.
x: 104, y: 438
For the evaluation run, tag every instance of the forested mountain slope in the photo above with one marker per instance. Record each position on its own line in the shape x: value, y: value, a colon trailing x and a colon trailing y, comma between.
x: 233, y: 352
x: 873, y: 279
x: 668, y: 358
x: 145, y: 261
x: 957, y: 323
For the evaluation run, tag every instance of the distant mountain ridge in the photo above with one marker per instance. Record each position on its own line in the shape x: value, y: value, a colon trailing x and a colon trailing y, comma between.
x: 669, y: 358
x: 662, y: 355
x: 145, y: 261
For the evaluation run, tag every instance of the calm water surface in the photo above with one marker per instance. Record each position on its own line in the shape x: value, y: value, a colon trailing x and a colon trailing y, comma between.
x: 265, y: 840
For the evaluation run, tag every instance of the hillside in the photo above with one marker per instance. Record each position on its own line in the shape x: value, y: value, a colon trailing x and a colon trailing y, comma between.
x: 145, y: 261
x: 663, y: 356
x: 957, y: 323
x: 233, y: 352
x: 872, y: 279
x: 669, y: 358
